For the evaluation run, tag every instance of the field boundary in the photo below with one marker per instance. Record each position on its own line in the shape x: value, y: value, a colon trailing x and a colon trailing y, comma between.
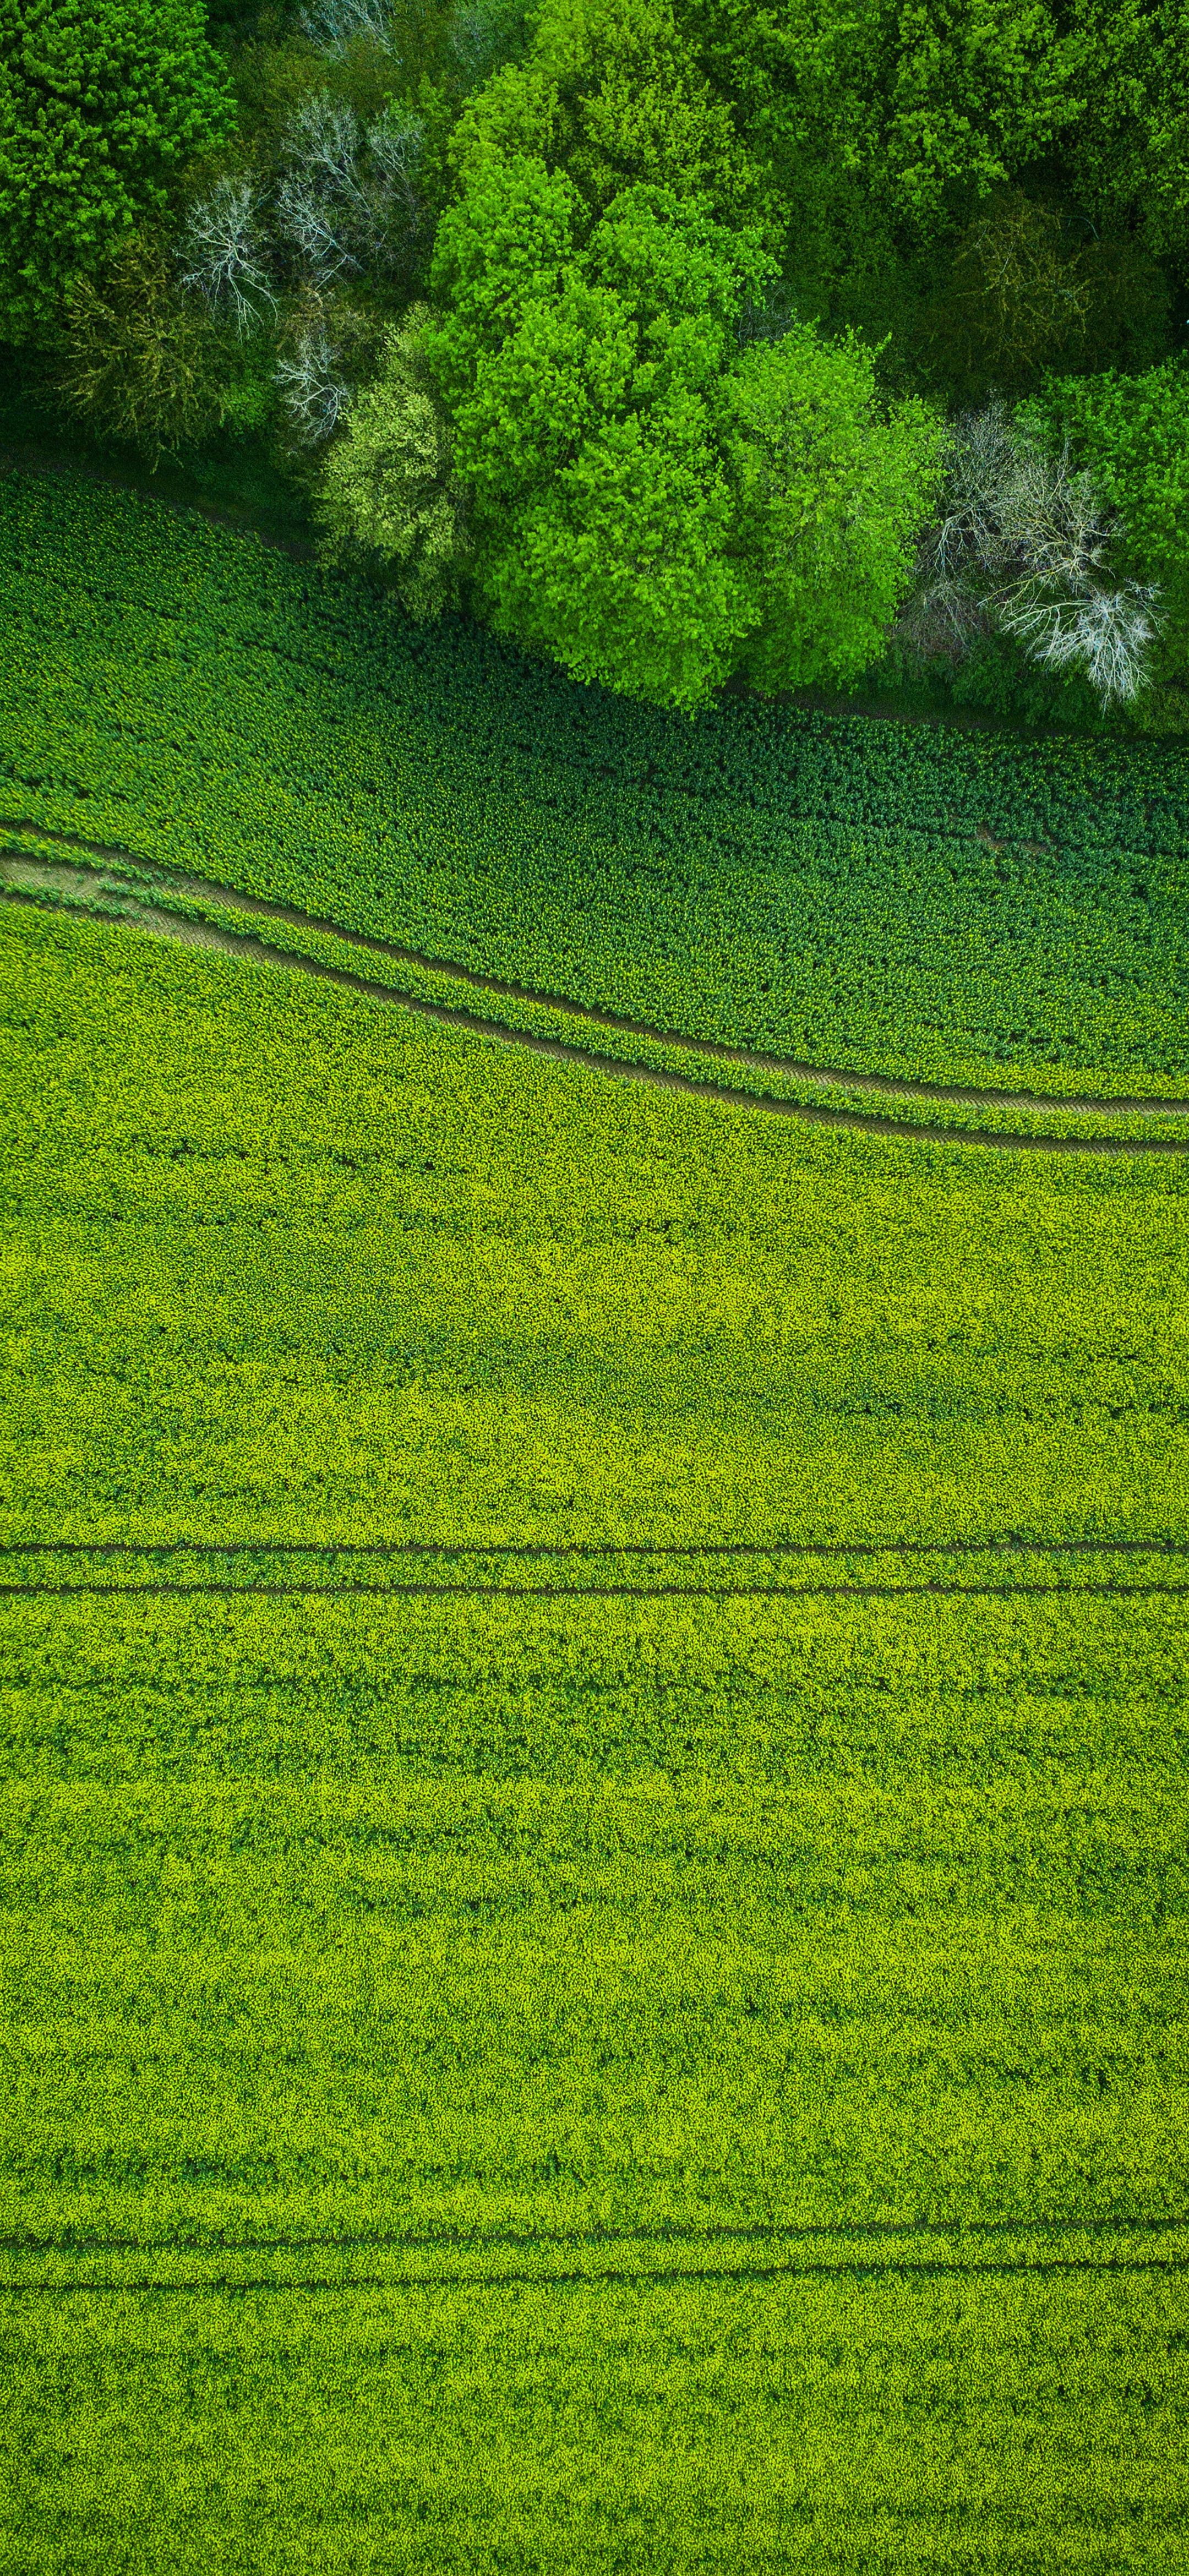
x: 449, y: 2239
x: 187, y: 931
x: 716, y: 1050
x: 662, y: 2277
x: 36, y: 460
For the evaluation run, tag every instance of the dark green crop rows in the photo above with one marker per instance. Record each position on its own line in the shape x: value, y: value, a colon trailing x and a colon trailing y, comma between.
x: 904, y: 899
x: 594, y: 1710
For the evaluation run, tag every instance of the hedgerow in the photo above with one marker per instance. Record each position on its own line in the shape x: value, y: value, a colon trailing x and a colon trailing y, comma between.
x: 899, y: 899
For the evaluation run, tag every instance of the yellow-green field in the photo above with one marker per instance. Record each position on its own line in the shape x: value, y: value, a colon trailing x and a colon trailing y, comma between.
x: 595, y: 1702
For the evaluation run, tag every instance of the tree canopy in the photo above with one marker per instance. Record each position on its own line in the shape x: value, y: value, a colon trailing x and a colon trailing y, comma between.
x: 648, y: 489
x: 659, y: 334
x: 101, y: 102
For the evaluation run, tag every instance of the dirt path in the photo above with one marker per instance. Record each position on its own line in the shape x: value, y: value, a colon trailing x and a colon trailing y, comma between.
x: 76, y: 885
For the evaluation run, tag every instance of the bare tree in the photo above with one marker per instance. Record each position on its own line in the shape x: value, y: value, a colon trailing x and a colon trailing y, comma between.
x: 322, y: 138
x: 1025, y: 543
x: 320, y: 200
x: 313, y: 225
x: 348, y: 200
x: 315, y: 394
x: 335, y: 25
x: 222, y: 254
x: 1106, y: 633
x: 1016, y: 289
x: 395, y: 140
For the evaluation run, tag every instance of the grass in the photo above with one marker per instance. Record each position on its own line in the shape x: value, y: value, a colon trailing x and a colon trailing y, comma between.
x: 568, y: 2012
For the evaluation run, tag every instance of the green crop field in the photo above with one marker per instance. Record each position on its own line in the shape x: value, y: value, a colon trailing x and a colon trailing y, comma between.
x: 595, y: 1718
x: 914, y: 903
x: 594, y: 1572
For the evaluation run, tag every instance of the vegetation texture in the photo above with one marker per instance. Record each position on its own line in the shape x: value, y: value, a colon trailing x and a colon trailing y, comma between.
x: 646, y: 331
x: 897, y: 900
x: 594, y: 1697
x: 100, y: 102
x: 594, y: 1481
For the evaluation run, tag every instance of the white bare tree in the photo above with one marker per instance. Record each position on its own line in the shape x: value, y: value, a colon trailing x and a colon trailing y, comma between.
x: 1025, y: 543
x: 335, y: 25
x: 348, y: 200
x: 315, y: 394
x: 222, y: 254
x: 395, y: 140
x: 321, y: 203
x: 1106, y: 633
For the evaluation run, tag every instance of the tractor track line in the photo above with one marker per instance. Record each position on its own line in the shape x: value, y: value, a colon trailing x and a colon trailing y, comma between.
x: 587, y: 1548
x: 663, y: 2277
x: 446, y: 2240
x: 589, y: 1591
x: 205, y: 890
x: 864, y: 1122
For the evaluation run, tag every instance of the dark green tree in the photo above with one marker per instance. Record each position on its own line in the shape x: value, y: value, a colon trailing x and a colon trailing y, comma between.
x: 926, y: 104
x: 1129, y: 150
x: 138, y: 361
x: 101, y: 102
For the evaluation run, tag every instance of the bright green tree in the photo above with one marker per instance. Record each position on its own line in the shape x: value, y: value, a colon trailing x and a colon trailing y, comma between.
x: 588, y: 399
x: 388, y: 491
x: 509, y: 242
x: 830, y: 495
x: 611, y: 93
x: 648, y: 499
x: 100, y: 102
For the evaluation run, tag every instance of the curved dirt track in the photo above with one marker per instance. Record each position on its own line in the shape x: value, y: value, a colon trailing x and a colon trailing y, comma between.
x: 74, y: 884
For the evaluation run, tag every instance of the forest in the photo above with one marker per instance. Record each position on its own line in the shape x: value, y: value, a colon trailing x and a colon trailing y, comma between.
x: 690, y: 345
